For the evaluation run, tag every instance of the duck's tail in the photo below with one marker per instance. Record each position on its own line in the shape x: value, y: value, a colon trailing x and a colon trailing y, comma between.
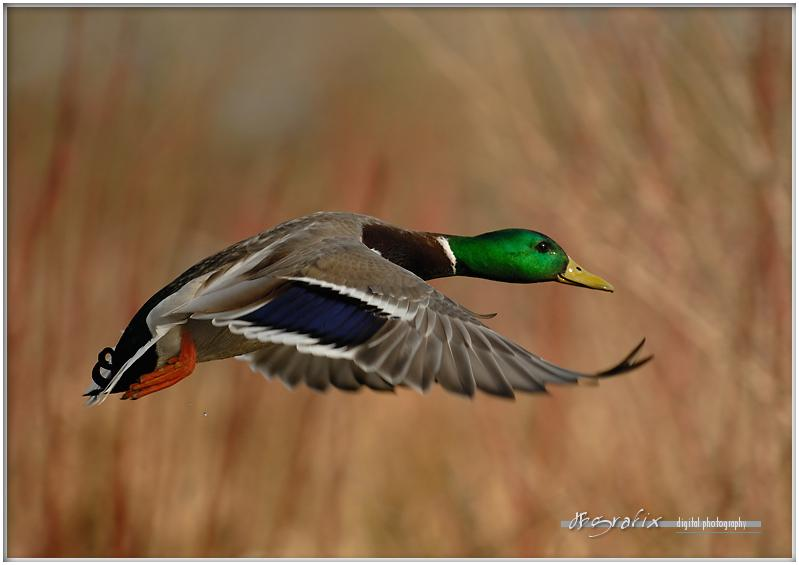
x: 109, y: 370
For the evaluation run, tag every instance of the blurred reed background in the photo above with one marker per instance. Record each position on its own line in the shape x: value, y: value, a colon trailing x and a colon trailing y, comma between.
x: 654, y: 144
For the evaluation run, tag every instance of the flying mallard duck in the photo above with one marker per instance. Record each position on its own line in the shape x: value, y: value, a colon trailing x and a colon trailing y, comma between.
x: 341, y: 299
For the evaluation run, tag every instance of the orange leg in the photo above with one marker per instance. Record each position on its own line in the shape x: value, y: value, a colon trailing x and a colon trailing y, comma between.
x: 175, y: 370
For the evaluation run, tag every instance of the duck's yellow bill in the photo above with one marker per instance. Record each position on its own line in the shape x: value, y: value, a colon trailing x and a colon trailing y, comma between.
x: 576, y: 275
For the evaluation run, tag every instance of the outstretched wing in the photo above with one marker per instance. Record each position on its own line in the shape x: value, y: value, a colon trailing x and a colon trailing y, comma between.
x: 340, y: 314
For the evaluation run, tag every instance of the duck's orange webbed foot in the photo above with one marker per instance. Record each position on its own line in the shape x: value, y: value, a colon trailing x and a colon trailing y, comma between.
x: 175, y: 370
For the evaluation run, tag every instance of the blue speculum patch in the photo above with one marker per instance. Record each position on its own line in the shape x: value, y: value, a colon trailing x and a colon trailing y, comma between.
x: 319, y: 312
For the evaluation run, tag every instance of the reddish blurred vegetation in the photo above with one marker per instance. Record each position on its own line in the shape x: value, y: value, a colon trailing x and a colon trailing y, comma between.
x: 653, y: 144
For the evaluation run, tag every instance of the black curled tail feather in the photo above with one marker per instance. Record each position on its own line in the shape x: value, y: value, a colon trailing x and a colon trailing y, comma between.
x: 105, y: 360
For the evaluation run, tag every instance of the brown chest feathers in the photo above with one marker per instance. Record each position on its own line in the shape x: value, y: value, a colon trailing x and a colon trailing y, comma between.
x: 419, y: 252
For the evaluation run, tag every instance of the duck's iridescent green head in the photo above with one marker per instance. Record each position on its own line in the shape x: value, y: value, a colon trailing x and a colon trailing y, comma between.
x: 519, y: 256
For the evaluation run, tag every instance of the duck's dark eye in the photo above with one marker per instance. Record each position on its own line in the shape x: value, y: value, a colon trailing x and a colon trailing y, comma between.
x: 542, y: 247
